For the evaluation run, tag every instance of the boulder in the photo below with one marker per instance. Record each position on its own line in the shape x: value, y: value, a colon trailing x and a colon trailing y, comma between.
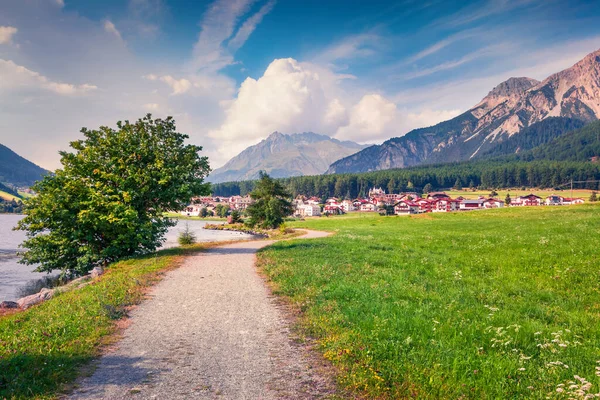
x: 28, y: 301
x: 8, y: 304
x: 97, y: 271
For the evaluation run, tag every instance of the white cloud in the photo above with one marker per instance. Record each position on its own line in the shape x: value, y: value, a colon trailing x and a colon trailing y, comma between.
x: 150, y: 77
x: 16, y: 76
x: 151, y: 106
x: 352, y: 47
x: 179, y: 86
x: 112, y: 29
x: 371, y: 119
x: 249, y: 26
x: 7, y: 33
x: 60, y: 3
x: 218, y: 26
x: 299, y: 97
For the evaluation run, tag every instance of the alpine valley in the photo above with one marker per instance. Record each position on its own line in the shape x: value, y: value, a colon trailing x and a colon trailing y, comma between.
x: 282, y: 156
x: 517, y: 115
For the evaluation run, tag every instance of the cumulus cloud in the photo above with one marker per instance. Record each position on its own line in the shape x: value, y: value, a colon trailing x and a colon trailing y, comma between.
x: 300, y: 97
x: 370, y: 119
x: 7, y: 33
x: 16, y: 76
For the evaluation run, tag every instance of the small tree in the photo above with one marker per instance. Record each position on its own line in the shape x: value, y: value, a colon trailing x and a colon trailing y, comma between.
x: 493, y: 193
x: 457, y: 184
x: 507, y: 200
x: 471, y: 184
x: 186, y: 236
x: 203, y: 212
x: 109, y: 199
x: 428, y: 188
x: 236, y: 217
x: 271, y: 203
x: 593, y: 197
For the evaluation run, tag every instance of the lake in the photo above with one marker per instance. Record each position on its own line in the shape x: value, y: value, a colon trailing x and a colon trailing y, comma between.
x: 14, y: 276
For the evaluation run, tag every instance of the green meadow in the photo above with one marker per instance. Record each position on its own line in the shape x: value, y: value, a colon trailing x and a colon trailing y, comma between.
x: 492, y: 304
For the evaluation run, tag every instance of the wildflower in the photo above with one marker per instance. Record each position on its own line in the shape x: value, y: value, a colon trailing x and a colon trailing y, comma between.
x: 521, y: 369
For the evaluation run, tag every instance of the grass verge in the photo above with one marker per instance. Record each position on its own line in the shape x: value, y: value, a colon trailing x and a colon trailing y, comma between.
x: 43, y: 349
x: 482, y: 305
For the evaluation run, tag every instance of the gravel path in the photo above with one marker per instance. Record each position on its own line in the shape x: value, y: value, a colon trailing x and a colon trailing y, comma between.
x: 210, y: 330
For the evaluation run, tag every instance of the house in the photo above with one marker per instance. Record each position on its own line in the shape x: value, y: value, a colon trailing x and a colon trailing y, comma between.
x: 571, y: 201
x: 425, y: 205
x: 239, y: 202
x: 554, y: 200
x: 445, y: 205
x: 404, y: 207
x: 313, y: 200
x: 437, y: 195
x: 470, y: 204
x: 308, y: 210
x: 529, y: 200
x: 193, y: 210
x: 348, y: 206
x: 368, y: 207
x: 493, y: 203
x: 333, y: 210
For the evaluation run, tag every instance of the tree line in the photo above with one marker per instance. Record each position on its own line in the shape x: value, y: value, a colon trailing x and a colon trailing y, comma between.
x: 479, y: 174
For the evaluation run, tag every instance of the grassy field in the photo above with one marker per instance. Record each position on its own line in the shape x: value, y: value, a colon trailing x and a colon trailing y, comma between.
x: 179, y: 216
x: 8, y: 196
x: 497, y: 304
x: 43, y: 349
x: 543, y: 193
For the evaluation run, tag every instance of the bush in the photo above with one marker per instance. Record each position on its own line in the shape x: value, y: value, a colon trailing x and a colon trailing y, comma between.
x: 186, y: 237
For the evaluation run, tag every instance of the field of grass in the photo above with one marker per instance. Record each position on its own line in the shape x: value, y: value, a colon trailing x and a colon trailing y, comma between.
x: 495, y: 304
x: 179, y: 216
x: 8, y: 196
x: 44, y: 348
x: 514, y: 192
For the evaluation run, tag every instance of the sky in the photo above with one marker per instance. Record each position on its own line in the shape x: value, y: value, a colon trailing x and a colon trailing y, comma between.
x: 231, y: 72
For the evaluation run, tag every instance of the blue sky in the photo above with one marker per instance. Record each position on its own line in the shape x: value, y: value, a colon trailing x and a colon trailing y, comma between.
x: 231, y: 72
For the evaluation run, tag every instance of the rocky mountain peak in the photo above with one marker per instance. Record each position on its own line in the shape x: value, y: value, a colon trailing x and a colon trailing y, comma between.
x: 513, y: 86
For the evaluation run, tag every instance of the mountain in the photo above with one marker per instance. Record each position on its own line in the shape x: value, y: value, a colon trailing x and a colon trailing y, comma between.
x: 510, y: 107
x: 282, y: 155
x: 16, y: 170
x: 534, y: 135
x: 579, y: 145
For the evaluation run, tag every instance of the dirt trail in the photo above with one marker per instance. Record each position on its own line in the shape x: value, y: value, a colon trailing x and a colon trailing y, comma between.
x: 210, y: 330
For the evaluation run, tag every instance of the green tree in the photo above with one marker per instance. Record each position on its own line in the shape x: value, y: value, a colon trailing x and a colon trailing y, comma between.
x: 222, y: 210
x: 507, y: 199
x: 428, y: 188
x: 271, y: 203
x: 593, y: 197
x: 457, y: 184
x: 203, y: 212
x: 109, y: 199
x: 493, y: 193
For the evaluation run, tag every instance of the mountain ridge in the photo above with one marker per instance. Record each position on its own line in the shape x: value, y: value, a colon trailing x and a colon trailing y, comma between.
x: 284, y: 155
x: 511, y: 106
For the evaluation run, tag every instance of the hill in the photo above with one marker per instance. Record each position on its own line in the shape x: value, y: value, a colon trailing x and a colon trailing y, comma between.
x: 16, y: 170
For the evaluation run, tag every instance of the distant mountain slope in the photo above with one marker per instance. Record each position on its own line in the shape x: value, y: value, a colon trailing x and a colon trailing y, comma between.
x: 509, y: 108
x: 535, y: 135
x: 16, y: 170
x: 578, y: 145
x: 283, y: 155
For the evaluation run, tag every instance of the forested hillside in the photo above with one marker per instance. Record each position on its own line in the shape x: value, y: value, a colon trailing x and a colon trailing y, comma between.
x: 16, y: 170
x: 535, y: 135
x: 483, y: 174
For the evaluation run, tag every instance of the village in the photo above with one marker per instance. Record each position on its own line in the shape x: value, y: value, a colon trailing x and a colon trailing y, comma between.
x: 377, y: 200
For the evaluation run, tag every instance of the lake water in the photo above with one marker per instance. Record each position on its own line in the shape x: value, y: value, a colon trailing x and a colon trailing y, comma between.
x: 14, y: 276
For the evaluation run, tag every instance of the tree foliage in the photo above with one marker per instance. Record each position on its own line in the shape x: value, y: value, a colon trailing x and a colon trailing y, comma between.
x: 271, y: 203
x: 108, y: 200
